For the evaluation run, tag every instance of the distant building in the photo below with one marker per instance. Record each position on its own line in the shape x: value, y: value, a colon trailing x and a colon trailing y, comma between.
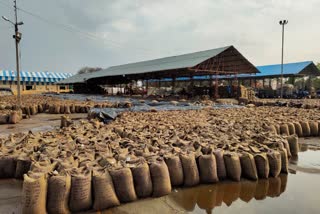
x: 34, y: 82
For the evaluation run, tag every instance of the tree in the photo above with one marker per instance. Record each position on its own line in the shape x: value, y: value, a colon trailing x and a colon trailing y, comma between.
x: 86, y: 70
x: 318, y: 65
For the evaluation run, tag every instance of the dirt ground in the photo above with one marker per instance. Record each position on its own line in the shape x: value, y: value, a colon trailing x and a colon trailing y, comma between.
x: 39, y: 122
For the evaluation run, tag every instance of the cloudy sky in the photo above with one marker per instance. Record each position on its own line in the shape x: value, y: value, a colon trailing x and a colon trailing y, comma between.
x: 65, y: 35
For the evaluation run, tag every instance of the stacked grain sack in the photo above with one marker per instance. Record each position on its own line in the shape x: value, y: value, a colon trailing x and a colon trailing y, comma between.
x: 94, y: 165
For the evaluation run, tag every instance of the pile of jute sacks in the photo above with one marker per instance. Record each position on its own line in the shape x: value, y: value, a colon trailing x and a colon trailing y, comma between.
x: 91, y: 165
x: 10, y: 116
x: 35, y: 104
x: 296, y: 103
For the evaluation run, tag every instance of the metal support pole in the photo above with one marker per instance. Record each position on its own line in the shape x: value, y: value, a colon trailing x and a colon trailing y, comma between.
x: 281, y: 83
x: 283, y: 23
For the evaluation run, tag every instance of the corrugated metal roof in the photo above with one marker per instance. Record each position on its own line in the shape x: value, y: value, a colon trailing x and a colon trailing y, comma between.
x: 162, y: 64
x: 265, y: 71
x: 288, y: 68
x: 27, y: 76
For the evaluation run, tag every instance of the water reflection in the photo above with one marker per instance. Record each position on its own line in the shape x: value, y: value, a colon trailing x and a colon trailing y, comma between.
x: 207, y: 197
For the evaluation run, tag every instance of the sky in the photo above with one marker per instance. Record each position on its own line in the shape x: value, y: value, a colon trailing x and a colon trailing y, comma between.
x: 65, y: 35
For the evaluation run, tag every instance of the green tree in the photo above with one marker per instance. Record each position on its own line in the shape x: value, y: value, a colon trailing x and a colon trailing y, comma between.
x: 86, y: 70
x: 318, y: 65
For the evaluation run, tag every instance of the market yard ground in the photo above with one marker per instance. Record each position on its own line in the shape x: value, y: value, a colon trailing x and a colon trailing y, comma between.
x: 136, y: 138
x: 222, y: 197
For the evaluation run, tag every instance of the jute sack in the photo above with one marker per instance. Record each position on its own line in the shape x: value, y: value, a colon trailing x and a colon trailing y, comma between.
x: 51, y: 109
x: 298, y: 129
x: 291, y: 128
x: 284, y: 130
x: 284, y: 161
x: 248, y: 166
x: 305, y: 128
x: 274, y: 159
x: 248, y: 189
x: 287, y: 147
x: 27, y: 110
x: 142, y: 180
x: 61, y: 109
x: 67, y: 109
x: 103, y: 191
x: 272, y: 129
x: 208, y: 169
x: 40, y: 108
x: 160, y: 179
x: 221, y: 168
x: 57, y: 109
x: 80, y: 194
x: 233, y: 166
x: 33, y: 110
x: 72, y: 109
x: 175, y: 170
x: 22, y: 167
x: 313, y: 128
x: 190, y: 170
x: 58, y: 194
x: 278, y: 128
x: 34, y: 194
x: 77, y: 109
x: 14, y: 117
x: 7, y: 167
x: 262, y: 165
x: 4, y: 119
x: 293, y: 144
x: 123, y: 184
x: 274, y: 187
x: 262, y: 189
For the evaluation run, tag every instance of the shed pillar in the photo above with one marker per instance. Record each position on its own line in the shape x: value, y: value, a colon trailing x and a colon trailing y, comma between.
x: 192, y: 86
x: 210, y: 85
x: 173, y: 85
x: 147, y: 86
x: 270, y: 83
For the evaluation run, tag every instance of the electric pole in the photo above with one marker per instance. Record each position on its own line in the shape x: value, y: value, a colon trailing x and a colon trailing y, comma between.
x: 282, y: 23
x: 17, y: 38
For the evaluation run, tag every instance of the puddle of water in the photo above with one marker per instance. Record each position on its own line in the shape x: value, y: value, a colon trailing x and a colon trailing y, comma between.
x: 297, y: 192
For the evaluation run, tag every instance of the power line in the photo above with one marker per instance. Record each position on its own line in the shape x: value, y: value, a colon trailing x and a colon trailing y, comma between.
x: 73, y: 29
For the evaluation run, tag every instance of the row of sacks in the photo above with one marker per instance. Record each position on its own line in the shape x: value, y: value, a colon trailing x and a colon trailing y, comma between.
x: 100, y: 189
x: 55, y: 109
x: 10, y: 116
x: 309, y: 104
x: 301, y: 129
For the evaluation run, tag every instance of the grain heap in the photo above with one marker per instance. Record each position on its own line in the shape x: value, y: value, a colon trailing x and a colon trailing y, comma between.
x: 93, y: 165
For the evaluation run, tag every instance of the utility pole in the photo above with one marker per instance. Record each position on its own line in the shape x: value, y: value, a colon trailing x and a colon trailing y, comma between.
x: 282, y: 23
x: 17, y: 37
